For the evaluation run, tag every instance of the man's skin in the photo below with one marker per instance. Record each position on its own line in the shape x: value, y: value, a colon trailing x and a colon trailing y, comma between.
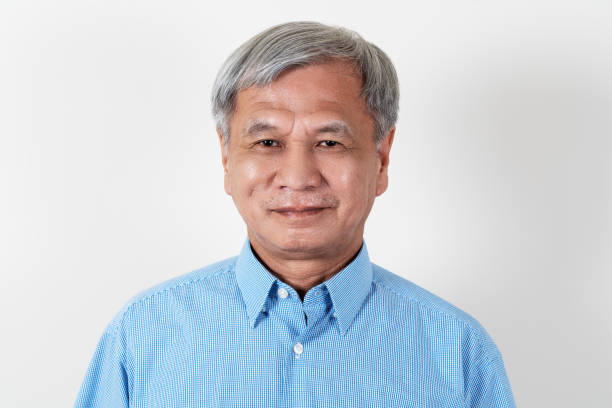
x: 303, y: 169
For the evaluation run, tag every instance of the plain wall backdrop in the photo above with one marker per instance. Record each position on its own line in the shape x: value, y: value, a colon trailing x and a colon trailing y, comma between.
x: 500, y: 177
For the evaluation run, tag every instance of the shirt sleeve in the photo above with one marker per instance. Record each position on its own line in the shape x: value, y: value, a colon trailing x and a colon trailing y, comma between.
x: 487, y: 384
x: 106, y: 380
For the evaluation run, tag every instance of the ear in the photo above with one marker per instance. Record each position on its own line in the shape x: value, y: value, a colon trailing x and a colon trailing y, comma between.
x: 224, y: 159
x: 383, y: 162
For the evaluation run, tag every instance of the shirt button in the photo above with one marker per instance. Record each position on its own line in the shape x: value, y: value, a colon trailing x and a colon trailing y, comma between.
x: 298, y: 348
x: 282, y: 292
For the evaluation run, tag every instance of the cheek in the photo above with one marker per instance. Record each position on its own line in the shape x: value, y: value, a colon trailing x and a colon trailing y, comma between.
x: 353, y: 182
x: 248, y: 177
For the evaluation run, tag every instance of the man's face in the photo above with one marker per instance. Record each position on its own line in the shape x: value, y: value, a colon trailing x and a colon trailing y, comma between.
x: 302, y: 165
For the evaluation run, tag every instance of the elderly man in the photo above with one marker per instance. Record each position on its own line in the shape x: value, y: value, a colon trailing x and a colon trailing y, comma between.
x: 306, y: 118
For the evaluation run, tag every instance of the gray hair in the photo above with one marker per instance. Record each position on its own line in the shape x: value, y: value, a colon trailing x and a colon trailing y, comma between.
x: 262, y: 58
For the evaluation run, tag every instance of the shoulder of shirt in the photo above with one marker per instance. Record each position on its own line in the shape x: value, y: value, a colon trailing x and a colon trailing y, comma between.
x: 409, y: 292
x: 186, y: 279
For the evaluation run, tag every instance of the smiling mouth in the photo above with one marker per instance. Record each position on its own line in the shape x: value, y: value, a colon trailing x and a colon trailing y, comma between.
x: 299, y: 213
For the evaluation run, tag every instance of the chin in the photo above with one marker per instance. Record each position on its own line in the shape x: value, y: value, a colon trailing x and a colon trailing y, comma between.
x: 301, y: 245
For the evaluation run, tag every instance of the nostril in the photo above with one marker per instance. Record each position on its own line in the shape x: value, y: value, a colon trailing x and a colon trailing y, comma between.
x: 298, y: 174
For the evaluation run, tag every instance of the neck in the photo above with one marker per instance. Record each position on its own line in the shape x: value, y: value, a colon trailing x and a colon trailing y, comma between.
x: 303, y: 273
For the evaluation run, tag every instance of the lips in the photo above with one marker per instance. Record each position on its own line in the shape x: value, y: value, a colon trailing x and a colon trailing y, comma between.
x: 301, y: 210
x: 298, y: 213
x: 297, y: 209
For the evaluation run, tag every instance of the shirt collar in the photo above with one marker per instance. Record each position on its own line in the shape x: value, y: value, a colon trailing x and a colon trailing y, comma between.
x: 347, y: 289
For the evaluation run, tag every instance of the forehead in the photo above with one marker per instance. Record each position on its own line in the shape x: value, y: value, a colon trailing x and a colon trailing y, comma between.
x: 333, y: 86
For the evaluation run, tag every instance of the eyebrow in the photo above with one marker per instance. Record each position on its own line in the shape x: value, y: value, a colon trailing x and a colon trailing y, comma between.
x: 334, y: 127
x: 258, y: 125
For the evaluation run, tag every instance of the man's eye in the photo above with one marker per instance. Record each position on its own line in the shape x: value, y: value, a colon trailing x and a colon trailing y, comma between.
x: 268, y: 143
x: 329, y: 143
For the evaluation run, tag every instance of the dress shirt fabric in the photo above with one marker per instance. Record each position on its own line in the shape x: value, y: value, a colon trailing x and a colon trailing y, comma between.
x: 233, y: 335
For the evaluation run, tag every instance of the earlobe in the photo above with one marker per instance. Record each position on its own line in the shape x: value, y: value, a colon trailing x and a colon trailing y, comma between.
x: 226, y: 184
x: 385, y: 150
x: 224, y: 149
x: 383, y: 162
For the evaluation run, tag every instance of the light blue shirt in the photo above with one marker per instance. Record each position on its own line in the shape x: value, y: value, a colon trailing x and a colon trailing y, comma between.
x: 233, y: 335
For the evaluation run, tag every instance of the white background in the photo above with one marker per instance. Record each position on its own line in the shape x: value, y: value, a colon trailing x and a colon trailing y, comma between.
x: 500, y: 179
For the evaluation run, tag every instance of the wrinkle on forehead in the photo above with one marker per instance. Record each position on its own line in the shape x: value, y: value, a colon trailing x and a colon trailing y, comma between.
x: 281, y: 122
x: 279, y: 99
x: 260, y: 120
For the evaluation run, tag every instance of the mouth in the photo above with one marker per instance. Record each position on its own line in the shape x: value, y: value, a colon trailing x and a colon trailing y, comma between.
x: 298, y: 212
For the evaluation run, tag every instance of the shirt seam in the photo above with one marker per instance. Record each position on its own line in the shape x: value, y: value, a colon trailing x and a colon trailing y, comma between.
x: 130, y: 306
x: 487, y: 362
x: 453, y: 317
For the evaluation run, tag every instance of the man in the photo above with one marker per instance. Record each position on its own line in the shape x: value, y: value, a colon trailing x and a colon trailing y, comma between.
x: 306, y: 118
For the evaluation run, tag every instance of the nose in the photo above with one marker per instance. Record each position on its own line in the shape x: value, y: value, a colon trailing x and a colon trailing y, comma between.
x: 298, y: 169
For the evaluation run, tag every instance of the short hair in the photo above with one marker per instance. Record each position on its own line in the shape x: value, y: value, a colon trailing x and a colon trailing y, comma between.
x: 266, y: 55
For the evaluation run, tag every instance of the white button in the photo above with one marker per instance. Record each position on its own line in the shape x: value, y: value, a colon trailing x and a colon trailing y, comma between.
x: 282, y: 292
x: 298, y: 348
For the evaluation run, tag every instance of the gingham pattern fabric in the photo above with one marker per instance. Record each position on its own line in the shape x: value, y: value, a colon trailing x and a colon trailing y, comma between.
x: 233, y: 335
